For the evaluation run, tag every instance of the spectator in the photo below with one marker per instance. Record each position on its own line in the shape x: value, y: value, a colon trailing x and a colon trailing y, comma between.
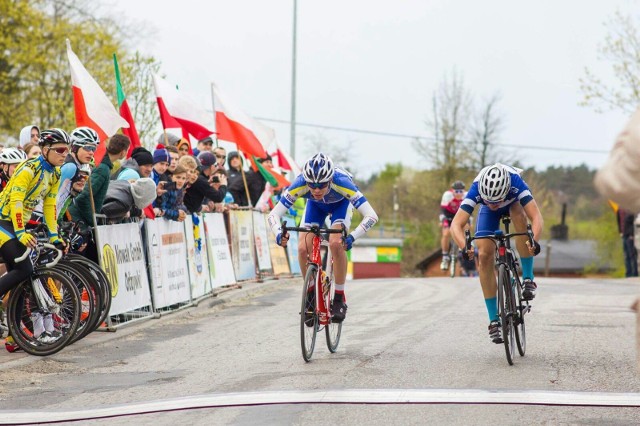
x: 183, y: 147
x: 81, y: 208
x: 221, y: 156
x: 190, y: 164
x: 161, y: 160
x: 32, y: 150
x: 201, y: 187
x: 173, y: 153
x: 236, y: 182
x: 172, y: 205
x: 203, y: 145
x: 626, y: 227
x: 167, y: 139
x: 139, y: 165
x: 256, y: 182
x: 29, y: 134
x: 128, y: 199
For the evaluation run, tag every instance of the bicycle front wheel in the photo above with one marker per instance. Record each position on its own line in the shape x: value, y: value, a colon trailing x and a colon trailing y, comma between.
x: 309, y: 323
x: 519, y: 311
x: 49, y: 300
x: 505, y: 299
x: 333, y: 330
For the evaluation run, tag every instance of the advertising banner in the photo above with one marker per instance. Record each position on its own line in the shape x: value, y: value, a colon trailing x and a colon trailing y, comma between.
x: 242, y: 248
x: 197, y: 256
x: 170, y: 286
x: 220, y: 264
x: 278, y: 256
x: 122, y: 257
x: 261, y: 241
x: 292, y: 247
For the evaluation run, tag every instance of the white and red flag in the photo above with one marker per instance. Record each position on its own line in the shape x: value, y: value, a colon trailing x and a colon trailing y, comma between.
x: 92, y: 106
x: 176, y: 108
x: 233, y: 125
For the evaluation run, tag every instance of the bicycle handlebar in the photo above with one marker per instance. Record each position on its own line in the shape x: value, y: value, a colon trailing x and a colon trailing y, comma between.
x: 315, y: 229
x: 51, y: 264
x: 498, y: 236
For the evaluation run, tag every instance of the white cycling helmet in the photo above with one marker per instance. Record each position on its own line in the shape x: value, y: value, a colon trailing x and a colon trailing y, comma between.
x: 84, y: 136
x: 494, y: 183
x: 12, y: 156
x: 319, y: 169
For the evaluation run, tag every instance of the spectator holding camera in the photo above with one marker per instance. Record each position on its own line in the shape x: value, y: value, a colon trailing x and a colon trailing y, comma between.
x: 202, y: 186
x: 171, y: 205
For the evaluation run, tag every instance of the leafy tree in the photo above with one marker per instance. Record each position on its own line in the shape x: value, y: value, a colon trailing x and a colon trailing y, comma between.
x: 621, y: 48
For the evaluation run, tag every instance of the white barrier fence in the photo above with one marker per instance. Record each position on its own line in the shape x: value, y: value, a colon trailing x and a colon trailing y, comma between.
x: 169, y: 264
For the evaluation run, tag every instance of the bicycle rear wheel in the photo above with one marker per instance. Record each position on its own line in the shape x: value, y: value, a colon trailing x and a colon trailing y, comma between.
x: 309, y: 323
x: 101, y: 278
x: 505, y: 300
x: 64, y: 310
x: 519, y: 311
x: 333, y: 330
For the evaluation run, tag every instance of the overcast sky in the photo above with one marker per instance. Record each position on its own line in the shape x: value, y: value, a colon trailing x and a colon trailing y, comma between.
x: 374, y: 65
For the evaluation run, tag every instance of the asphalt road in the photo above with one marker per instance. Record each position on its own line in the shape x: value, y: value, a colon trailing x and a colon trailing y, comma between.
x: 413, y: 334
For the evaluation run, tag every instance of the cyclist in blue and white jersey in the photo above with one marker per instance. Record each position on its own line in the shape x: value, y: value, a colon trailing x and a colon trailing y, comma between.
x: 500, y: 191
x: 330, y: 191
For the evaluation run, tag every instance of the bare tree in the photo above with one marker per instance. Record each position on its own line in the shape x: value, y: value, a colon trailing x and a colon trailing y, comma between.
x: 485, y: 132
x: 449, y: 122
x: 340, y: 153
x: 622, y: 48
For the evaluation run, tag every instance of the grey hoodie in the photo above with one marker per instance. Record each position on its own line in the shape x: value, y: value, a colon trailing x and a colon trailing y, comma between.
x: 25, y: 134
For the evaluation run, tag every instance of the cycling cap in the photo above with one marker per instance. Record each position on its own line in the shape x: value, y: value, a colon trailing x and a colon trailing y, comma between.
x: 52, y: 136
x: 458, y: 185
x: 83, y: 170
x: 494, y: 183
x: 319, y: 169
x: 12, y: 156
x: 84, y: 136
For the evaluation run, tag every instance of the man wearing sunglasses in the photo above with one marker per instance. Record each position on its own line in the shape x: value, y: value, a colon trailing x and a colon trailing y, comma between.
x: 449, y: 205
x: 500, y: 191
x: 330, y: 191
x: 34, y: 180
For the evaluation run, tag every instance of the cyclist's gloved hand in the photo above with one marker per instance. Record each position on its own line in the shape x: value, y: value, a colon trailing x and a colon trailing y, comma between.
x: 58, y: 242
x: 282, y: 239
x: 27, y: 239
x: 348, y: 242
x: 536, y: 248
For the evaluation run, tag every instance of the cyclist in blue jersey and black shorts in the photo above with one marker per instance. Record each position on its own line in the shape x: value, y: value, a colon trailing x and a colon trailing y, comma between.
x: 330, y: 191
x: 500, y: 191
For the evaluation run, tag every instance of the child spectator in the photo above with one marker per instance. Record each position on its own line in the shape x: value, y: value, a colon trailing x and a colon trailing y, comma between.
x: 125, y: 199
x: 171, y: 205
x: 32, y: 150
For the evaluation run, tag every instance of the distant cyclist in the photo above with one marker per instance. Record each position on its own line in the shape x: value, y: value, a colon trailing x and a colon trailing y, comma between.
x: 9, y: 160
x: 500, y: 191
x: 449, y: 205
x: 34, y: 180
x: 330, y: 192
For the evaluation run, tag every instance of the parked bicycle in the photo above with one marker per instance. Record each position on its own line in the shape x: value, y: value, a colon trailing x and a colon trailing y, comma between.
x: 511, y: 306
x: 317, y: 293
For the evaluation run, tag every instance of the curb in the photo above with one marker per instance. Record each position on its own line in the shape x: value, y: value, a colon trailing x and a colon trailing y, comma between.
x: 223, y: 296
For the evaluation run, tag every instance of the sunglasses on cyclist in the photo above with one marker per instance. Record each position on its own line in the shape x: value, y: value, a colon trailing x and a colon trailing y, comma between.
x: 90, y: 148
x: 318, y: 185
x: 61, y: 150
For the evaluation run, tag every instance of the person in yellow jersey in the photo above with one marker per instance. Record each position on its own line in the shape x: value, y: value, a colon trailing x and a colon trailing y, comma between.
x: 34, y: 180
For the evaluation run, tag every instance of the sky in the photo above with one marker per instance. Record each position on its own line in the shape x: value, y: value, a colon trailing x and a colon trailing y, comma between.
x: 374, y: 65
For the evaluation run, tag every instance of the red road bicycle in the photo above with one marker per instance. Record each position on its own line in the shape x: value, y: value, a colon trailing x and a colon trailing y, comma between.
x: 317, y: 293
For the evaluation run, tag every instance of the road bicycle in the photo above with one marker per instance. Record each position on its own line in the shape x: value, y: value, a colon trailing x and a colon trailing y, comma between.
x: 318, y: 292
x: 511, y: 306
x: 49, y: 296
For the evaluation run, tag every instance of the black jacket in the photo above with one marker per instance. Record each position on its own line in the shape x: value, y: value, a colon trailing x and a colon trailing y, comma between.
x: 196, y: 193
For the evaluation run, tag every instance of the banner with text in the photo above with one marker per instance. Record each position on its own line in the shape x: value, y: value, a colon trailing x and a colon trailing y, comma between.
x: 261, y: 241
x: 242, y: 249
x: 122, y: 257
x: 197, y: 256
x: 167, y: 252
x: 220, y: 264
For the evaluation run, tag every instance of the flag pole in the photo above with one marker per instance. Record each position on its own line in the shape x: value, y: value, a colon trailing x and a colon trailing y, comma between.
x: 213, y: 106
x: 244, y: 179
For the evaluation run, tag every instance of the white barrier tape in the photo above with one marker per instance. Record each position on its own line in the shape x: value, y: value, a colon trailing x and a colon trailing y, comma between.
x: 346, y: 396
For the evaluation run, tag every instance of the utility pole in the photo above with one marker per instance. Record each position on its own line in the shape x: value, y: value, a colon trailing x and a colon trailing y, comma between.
x: 293, y: 83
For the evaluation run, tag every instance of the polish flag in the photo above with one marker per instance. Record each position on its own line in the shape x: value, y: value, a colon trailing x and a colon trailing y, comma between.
x: 176, y: 108
x: 233, y: 125
x: 92, y: 107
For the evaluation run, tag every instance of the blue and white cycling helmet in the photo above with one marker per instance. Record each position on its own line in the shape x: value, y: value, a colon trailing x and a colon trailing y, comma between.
x: 494, y: 183
x: 12, y: 156
x: 319, y: 169
x: 84, y: 136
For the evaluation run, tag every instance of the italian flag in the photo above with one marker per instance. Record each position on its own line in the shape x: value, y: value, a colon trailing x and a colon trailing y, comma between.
x: 125, y: 112
x: 91, y: 105
x: 177, y: 110
x: 233, y: 125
